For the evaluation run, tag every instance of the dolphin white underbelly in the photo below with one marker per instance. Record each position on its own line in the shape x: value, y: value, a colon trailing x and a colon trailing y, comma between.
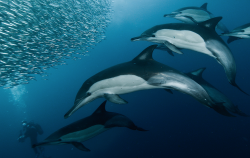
x: 183, y: 39
x: 120, y: 85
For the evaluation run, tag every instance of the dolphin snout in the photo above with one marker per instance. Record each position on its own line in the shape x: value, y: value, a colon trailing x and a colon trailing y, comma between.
x: 166, y: 15
x: 136, y: 38
x: 170, y: 15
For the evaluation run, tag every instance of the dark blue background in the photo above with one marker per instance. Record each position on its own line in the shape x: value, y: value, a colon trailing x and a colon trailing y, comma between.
x: 178, y: 125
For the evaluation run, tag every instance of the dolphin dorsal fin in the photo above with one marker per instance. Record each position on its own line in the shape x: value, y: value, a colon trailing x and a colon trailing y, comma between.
x: 204, y: 6
x: 211, y: 23
x: 198, y: 72
x: 146, y: 54
x: 101, y: 108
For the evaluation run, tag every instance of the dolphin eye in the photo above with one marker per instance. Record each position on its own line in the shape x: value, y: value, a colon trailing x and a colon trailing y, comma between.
x: 88, y: 93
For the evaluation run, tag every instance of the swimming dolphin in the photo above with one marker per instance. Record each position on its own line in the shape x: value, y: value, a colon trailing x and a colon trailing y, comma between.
x: 238, y: 33
x: 214, y: 93
x: 200, y: 38
x: 199, y: 14
x: 142, y: 73
x: 89, y: 127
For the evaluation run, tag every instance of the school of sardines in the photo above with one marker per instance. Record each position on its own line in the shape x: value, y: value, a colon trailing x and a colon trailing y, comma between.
x: 36, y: 35
x: 197, y: 33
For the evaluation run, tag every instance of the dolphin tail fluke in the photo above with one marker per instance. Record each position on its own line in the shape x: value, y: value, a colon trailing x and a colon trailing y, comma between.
x: 220, y: 108
x: 235, y: 85
x: 232, y: 38
x: 140, y: 129
x: 239, y: 112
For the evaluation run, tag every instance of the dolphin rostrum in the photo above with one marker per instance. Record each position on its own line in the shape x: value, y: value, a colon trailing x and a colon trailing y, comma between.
x: 238, y: 33
x: 87, y: 128
x: 198, y: 14
x: 142, y: 73
x: 214, y: 93
x: 200, y: 38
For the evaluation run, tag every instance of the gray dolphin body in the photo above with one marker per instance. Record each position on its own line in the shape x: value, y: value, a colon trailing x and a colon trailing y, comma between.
x: 142, y: 73
x: 88, y: 127
x: 214, y: 93
x: 200, y: 38
x: 238, y: 33
x: 198, y: 14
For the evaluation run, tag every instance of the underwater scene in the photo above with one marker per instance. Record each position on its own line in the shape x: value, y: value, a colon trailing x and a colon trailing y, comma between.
x: 124, y: 79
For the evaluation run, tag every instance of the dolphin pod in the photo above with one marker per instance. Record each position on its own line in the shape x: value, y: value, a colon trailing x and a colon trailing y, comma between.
x: 87, y: 128
x: 141, y: 73
x: 200, y: 38
x: 144, y: 73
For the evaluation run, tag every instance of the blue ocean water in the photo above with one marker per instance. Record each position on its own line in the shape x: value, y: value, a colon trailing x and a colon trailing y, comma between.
x: 178, y: 125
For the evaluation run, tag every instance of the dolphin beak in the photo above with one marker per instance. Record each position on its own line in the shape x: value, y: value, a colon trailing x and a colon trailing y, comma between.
x: 173, y: 14
x: 76, y: 106
x: 136, y: 38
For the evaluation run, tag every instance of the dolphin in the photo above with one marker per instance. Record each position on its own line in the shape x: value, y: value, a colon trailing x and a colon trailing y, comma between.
x: 200, y: 38
x: 142, y: 73
x: 214, y: 93
x: 238, y: 33
x: 198, y: 14
x: 89, y: 127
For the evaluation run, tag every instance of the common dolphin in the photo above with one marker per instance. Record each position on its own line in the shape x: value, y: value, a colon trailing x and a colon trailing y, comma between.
x: 142, y: 73
x: 200, y: 38
x: 89, y: 127
x: 199, y: 14
x: 238, y: 33
x: 214, y: 93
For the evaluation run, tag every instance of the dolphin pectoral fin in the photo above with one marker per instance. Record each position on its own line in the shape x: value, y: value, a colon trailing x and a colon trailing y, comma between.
x: 232, y: 38
x: 114, y: 98
x: 220, y: 108
x: 170, y: 52
x: 168, y: 90
x: 172, y: 47
x: 79, y: 146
